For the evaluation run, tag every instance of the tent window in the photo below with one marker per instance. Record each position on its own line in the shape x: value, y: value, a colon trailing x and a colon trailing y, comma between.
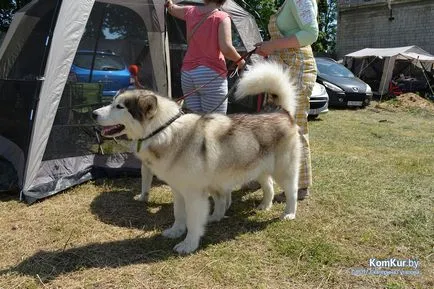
x: 115, y: 37
x: 25, y: 55
x: 114, y: 22
x: 102, y: 62
x: 21, y: 66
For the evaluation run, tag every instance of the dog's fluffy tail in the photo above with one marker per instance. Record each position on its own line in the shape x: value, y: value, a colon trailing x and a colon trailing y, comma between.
x: 269, y: 77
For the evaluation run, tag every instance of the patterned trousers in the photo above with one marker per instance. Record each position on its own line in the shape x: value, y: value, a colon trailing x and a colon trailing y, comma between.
x: 302, y: 69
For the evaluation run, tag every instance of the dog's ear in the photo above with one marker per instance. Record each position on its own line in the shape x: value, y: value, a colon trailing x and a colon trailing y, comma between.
x: 141, y: 107
x: 148, y: 105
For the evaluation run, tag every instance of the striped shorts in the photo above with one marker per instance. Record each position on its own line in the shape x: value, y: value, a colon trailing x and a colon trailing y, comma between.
x: 207, y: 98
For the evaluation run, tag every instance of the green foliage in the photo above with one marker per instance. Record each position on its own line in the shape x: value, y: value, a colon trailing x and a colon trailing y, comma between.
x: 327, y: 11
x: 7, y: 9
x: 261, y: 10
x: 118, y: 22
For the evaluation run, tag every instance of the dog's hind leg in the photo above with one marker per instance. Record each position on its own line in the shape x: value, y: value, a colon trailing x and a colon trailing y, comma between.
x: 286, y: 174
x: 179, y: 226
x: 197, y: 209
x: 220, y: 206
x: 290, y: 184
x: 146, y: 184
x: 228, y: 199
x: 266, y: 183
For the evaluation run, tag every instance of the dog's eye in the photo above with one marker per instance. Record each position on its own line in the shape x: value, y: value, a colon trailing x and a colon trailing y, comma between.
x: 119, y: 106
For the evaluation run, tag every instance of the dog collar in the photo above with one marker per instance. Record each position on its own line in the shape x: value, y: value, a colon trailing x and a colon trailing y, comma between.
x: 169, y: 122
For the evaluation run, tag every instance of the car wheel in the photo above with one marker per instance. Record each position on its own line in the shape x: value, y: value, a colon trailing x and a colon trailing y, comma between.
x: 366, y: 103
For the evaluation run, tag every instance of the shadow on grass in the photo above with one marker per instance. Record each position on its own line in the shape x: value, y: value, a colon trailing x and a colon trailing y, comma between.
x: 315, y: 119
x: 120, y: 209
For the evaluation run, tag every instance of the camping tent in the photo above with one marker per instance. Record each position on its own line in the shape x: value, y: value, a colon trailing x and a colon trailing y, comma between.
x: 46, y: 131
x: 383, y: 63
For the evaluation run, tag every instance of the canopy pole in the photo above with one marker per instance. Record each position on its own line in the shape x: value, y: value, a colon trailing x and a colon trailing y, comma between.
x: 387, y: 77
x: 426, y: 78
x: 95, y: 48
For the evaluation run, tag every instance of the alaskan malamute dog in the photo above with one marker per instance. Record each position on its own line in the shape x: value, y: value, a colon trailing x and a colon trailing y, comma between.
x: 202, y: 155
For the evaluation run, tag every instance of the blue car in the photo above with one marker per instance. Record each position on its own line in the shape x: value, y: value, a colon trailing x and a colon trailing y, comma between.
x: 109, y: 69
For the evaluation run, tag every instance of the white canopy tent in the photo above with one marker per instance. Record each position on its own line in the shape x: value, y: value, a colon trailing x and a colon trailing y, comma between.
x: 413, y: 54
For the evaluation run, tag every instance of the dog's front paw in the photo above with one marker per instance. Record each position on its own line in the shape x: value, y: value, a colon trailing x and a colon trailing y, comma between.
x: 185, y: 247
x: 287, y: 216
x: 173, y: 233
x: 142, y: 197
x: 265, y: 206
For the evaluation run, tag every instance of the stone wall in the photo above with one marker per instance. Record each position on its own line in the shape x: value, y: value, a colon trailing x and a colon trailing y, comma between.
x: 364, y: 23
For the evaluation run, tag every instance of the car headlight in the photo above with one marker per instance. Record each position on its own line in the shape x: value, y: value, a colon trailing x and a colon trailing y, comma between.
x: 332, y: 86
x: 368, y: 90
x: 323, y: 90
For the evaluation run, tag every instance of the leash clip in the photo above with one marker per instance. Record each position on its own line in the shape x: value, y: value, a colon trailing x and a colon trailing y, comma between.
x: 235, y: 72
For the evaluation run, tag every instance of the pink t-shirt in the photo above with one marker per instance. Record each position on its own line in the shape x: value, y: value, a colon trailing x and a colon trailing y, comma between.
x: 203, y: 48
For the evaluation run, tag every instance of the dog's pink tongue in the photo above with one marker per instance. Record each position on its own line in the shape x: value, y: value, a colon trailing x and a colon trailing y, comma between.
x: 107, y: 129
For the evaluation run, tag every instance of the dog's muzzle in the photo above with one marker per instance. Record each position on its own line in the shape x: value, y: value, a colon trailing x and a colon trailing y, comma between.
x: 94, y: 115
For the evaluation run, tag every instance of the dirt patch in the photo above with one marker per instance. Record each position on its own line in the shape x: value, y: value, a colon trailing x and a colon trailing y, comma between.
x: 407, y: 101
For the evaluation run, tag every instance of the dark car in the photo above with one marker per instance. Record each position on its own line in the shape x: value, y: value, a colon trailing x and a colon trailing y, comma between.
x: 343, y: 87
x: 108, y: 68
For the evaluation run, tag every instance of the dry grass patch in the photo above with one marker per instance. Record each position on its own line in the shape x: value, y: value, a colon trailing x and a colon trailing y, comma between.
x: 373, y: 196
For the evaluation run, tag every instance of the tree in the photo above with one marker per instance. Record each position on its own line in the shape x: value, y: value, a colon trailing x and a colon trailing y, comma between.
x: 263, y: 9
x: 327, y: 11
x: 116, y: 22
x: 7, y: 10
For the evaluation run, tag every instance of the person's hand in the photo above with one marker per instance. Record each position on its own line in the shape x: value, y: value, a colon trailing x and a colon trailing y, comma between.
x: 241, y: 64
x: 168, y: 4
x: 264, y: 48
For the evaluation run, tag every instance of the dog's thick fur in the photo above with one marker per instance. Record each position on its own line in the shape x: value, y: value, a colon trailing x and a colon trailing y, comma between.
x: 198, y: 155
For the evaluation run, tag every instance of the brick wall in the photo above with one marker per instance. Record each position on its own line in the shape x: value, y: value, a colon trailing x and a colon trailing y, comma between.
x: 363, y: 24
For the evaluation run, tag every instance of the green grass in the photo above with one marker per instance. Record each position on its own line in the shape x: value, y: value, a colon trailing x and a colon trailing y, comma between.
x: 373, y: 197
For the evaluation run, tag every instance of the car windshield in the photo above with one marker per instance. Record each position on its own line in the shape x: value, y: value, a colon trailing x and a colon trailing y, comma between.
x: 331, y: 68
x: 104, y: 62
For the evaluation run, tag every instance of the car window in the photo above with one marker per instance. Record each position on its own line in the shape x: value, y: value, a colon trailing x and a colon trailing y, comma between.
x: 104, y: 62
x: 333, y: 69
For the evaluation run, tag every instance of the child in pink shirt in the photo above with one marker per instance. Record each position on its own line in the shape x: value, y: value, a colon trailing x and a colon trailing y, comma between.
x: 209, y: 39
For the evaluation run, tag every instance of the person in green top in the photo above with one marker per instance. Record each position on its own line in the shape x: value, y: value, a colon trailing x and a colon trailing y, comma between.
x: 293, y: 29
